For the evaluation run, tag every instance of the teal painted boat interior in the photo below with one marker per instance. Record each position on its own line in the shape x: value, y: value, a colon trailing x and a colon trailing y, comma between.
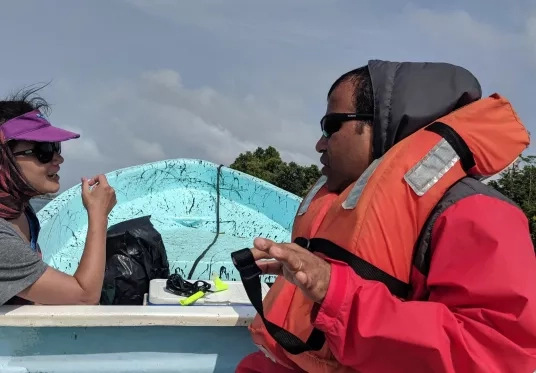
x: 183, y: 197
x: 189, y: 202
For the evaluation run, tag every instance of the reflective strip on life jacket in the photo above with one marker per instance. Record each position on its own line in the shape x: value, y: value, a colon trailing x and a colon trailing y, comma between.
x: 312, y: 193
x: 351, y: 201
x: 440, y: 159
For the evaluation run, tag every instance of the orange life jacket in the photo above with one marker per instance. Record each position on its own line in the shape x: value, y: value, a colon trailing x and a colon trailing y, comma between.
x: 378, y: 218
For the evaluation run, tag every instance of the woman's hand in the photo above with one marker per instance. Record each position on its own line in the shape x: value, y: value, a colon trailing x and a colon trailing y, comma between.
x: 98, y: 196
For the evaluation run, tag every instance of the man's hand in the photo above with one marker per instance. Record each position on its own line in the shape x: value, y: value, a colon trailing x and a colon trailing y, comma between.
x: 299, y: 266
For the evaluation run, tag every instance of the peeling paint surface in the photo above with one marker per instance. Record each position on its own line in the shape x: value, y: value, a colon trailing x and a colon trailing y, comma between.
x: 181, y: 196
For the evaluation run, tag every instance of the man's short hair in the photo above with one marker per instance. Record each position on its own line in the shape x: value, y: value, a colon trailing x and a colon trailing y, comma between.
x: 363, y: 97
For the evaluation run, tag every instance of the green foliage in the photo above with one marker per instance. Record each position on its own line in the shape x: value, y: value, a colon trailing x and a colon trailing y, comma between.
x: 266, y: 164
x: 519, y: 184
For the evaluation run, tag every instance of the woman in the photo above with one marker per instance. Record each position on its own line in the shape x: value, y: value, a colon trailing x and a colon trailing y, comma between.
x: 29, y: 164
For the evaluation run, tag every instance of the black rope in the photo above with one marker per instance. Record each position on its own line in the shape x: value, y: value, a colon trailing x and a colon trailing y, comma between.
x: 202, y: 255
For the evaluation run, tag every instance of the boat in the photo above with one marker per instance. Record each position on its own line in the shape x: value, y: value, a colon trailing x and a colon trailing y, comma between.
x: 203, y: 211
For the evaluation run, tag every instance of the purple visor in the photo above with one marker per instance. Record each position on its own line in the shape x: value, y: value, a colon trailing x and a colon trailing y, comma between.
x: 33, y: 126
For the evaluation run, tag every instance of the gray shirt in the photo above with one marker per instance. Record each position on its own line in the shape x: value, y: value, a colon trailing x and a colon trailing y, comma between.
x: 20, y: 266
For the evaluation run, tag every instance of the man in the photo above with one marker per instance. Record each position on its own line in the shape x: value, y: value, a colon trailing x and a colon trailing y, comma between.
x: 473, y: 303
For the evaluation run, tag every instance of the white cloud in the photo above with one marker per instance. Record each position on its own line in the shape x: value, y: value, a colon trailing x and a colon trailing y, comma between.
x: 277, y: 21
x: 459, y: 32
x: 83, y: 149
x: 148, y: 151
x: 335, y: 36
x: 457, y: 27
x: 154, y: 117
x: 272, y: 94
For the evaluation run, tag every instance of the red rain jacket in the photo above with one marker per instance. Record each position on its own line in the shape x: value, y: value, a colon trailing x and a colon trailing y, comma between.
x: 480, y: 315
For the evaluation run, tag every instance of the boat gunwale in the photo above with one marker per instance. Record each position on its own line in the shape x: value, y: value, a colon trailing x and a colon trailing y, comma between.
x: 49, y: 210
x: 125, y: 316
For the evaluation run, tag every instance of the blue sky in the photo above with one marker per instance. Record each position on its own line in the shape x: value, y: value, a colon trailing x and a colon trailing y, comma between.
x: 145, y: 80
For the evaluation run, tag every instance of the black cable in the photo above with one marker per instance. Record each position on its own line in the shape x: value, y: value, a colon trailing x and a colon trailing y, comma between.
x: 179, y: 286
x: 201, y: 256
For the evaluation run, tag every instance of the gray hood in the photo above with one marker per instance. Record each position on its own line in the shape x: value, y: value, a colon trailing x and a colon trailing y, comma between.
x: 411, y: 95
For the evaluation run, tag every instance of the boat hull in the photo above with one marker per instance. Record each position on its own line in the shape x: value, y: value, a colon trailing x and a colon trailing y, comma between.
x: 151, y: 349
x: 80, y: 339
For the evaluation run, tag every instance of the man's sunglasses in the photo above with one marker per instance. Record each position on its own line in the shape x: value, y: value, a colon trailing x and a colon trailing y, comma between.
x: 43, y: 151
x: 331, y: 123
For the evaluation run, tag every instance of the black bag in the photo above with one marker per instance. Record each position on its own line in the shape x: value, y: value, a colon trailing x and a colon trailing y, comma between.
x: 135, y: 255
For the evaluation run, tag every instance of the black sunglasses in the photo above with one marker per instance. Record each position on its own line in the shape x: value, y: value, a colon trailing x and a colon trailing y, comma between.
x: 43, y: 151
x: 331, y: 123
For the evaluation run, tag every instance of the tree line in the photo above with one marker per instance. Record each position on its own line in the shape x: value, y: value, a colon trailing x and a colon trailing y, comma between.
x: 266, y: 164
x: 518, y: 184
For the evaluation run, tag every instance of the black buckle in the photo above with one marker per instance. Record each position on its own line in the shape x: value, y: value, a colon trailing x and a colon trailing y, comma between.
x: 303, y: 242
x: 244, y: 262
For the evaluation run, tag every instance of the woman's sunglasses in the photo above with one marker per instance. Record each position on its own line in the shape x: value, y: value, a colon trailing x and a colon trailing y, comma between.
x: 331, y: 123
x: 43, y: 151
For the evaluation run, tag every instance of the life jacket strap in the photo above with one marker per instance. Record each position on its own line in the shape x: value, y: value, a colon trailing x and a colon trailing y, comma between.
x: 360, y: 266
x: 467, y: 158
x: 250, y: 273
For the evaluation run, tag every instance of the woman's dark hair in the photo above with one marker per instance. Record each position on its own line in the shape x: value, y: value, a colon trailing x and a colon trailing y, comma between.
x: 22, y: 102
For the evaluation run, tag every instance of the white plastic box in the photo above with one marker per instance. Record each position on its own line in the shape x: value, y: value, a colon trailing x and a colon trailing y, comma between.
x: 234, y: 295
